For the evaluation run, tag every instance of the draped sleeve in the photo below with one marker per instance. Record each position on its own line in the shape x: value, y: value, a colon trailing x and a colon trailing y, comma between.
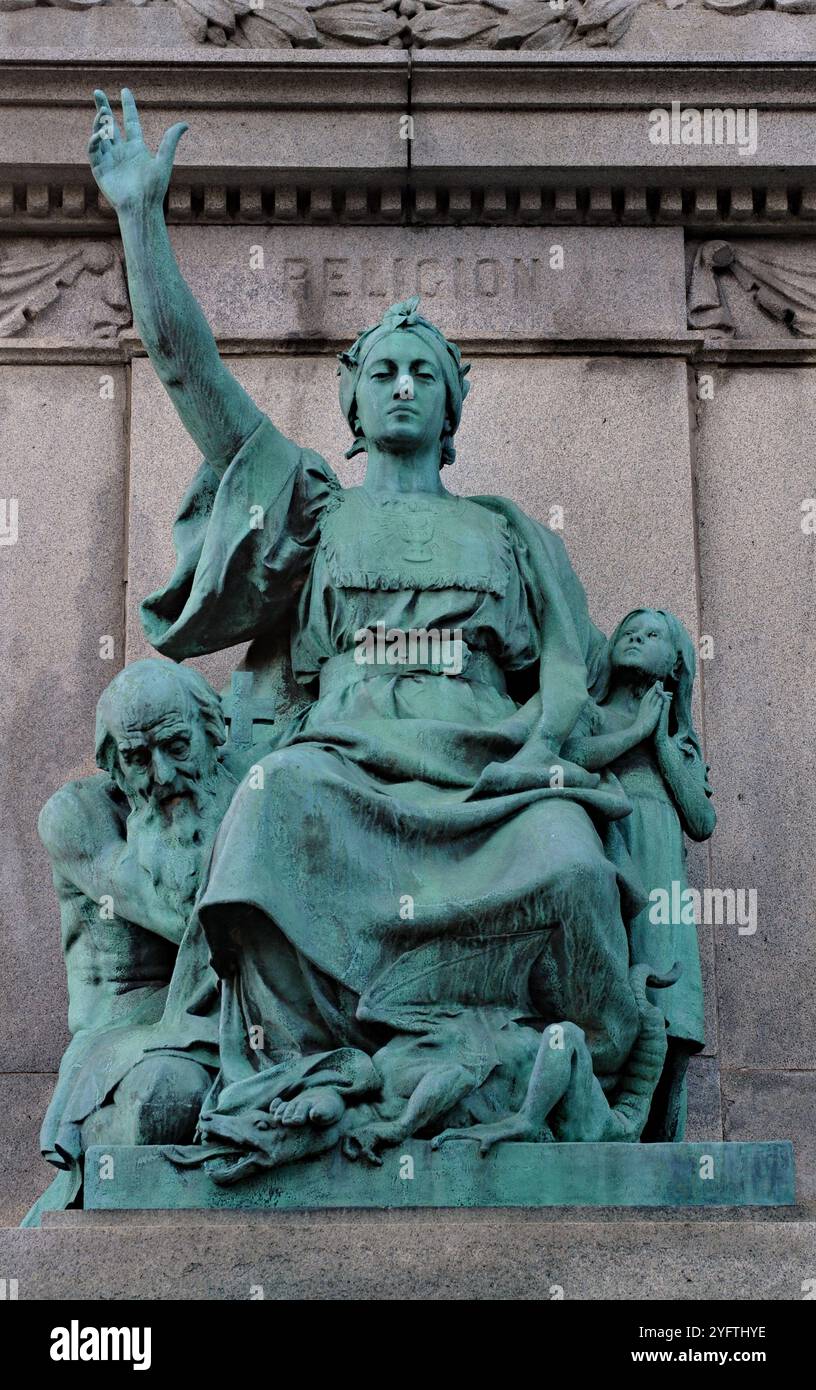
x: 243, y: 546
x: 572, y: 647
x: 590, y: 722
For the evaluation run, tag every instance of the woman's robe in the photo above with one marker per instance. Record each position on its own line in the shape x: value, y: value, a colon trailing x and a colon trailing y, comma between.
x: 367, y: 835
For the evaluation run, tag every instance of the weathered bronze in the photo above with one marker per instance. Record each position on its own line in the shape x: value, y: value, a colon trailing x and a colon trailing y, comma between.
x: 408, y: 894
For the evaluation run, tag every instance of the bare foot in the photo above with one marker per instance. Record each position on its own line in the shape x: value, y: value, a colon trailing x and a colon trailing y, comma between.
x: 321, y: 1106
x: 253, y: 1142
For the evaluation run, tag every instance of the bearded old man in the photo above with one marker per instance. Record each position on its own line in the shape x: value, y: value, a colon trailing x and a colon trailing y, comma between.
x: 128, y: 850
x: 407, y: 809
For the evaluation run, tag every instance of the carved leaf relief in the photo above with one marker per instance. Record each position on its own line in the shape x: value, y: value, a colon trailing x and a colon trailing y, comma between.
x: 29, y: 284
x: 784, y: 291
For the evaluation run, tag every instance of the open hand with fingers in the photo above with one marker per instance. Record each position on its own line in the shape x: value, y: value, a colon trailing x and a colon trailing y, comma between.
x: 127, y: 173
x: 212, y: 405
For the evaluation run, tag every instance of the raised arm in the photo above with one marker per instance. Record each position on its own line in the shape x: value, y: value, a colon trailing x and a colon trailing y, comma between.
x: 213, y: 407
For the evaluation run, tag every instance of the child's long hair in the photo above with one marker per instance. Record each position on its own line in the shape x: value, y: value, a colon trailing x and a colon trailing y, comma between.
x: 680, y: 682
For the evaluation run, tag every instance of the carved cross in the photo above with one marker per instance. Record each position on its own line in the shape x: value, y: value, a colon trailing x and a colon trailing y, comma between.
x: 243, y: 710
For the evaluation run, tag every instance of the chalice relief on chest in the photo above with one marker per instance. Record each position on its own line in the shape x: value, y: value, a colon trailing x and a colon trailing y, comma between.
x: 416, y: 528
x: 407, y: 531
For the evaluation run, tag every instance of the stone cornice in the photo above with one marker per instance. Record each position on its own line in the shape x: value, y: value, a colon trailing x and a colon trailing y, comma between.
x: 314, y: 137
x: 65, y: 208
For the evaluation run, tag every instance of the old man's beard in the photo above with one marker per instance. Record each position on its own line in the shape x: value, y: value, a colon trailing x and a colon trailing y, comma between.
x: 171, y: 838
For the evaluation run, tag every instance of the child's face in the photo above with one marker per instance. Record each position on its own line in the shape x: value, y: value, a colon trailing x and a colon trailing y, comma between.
x: 644, y: 645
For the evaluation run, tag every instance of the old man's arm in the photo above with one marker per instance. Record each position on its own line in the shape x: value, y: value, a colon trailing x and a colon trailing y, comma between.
x: 83, y: 829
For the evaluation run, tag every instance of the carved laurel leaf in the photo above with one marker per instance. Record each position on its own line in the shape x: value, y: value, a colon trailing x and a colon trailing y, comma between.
x: 358, y: 23
x: 734, y: 6
x: 525, y: 19
x: 262, y: 33
x: 527, y: 24
x: 504, y: 6
x: 595, y: 12
x: 291, y: 19
x: 75, y: 4
x: 239, y: 38
x: 194, y: 22
x: 460, y: 23
x: 551, y: 37
x: 219, y: 12
x: 616, y: 27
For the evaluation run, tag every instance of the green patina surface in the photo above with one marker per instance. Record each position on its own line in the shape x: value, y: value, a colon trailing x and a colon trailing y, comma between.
x: 524, y: 1175
x: 393, y: 887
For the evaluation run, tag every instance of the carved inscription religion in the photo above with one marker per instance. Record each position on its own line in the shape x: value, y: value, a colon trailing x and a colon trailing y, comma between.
x: 396, y: 277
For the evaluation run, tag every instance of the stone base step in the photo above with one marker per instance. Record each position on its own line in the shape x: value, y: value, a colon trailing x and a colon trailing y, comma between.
x: 420, y: 1255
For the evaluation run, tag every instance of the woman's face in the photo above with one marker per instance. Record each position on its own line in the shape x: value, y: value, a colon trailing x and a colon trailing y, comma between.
x: 401, y: 396
x: 644, y: 646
